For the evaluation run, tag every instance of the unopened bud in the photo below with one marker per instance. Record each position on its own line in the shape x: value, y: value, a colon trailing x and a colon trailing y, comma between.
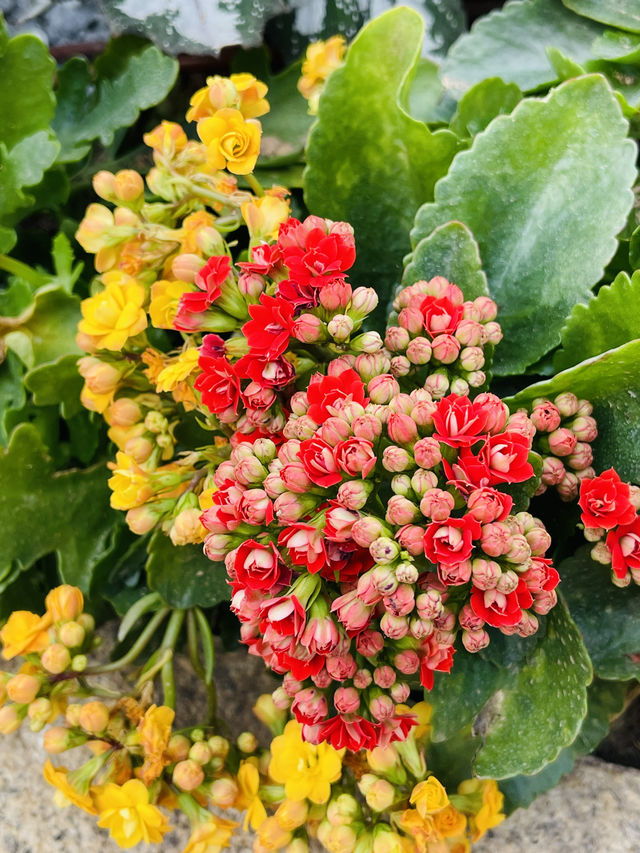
x: 23, y: 688
x: 188, y: 775
x: 247, y: 742
x: 94, y: 717
x: 56, y: 658
x: 10, y: 720
x: 128, y: 185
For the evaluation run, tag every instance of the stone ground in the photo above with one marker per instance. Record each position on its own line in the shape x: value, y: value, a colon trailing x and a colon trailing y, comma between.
x: 57, y: 21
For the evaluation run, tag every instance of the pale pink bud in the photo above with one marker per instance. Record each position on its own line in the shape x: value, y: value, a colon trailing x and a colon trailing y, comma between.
x: 553, y: 471
x: 562, y: 442
x: 469, y: 333
x: 582, y: 456
x: 341, y: 667
x: 295, y: 478
x: 335, y: 296
x: 455, y: 575
x: 471, y: 358
x: 407, y: 573
x: 584, y: 428
x: 251, y: 285
x: 250, y: 471
x: 370, y: 364
x: 422, y: 481
x: 290, y: 684
x: 495, y: 539
x: 351, y: 612
x: 309, y: 329
x: 419, y: 351
x: 615, y: 580
x: 600, y: 553
x: 400, y: 511
x: 369, y: 342
x: 437, y: 384
x: 402, y: 404
x: 429, y: 604
x: 340, y: 327
x: 340, y: 364
x: 382, y: 708
x: 366, y: 530
x: 216, y: 546
x: 366, y: 426
x: 290, y: 507
x: 519, y: 552
x: 411, y: 538
x: 437, y: 504
x: 402, y: 428
x: 384, y: 676
x: 538, y: 540
x: 445, y: 348
x: 394, y: 627
x: 334, y: 430
x: 569, y: 486
x: 321, y: 679
x: 346, y: 700
x: 422, y: 412
x: 468, y: 619
x: 412, y: 320
x: 363, y: 302
x: 401, y: 602
x: 123, y: 413
x: 407, y: 662
x: 474, y: 641
x: 362, y: 679
x: 492, y: 333
x: 567, y: 404
x: 273, y: 485
x: 634, y: 496
x: 485, y: 309
x: 507, y: 582
x: 460, y: 386
x: 401, y: 485
x: 309, y: 706
x: 400, y: 365
x: 396, y: 339
x: 545, y: 417
x: 354, y: 494
x: 369, y: 643
x: 383, y: 388
x: 528, y: 625
x: 400, y: 692
x: 384, y: 550
x: 486, y: 573
x: 396, y: 459
x: 427, y: 452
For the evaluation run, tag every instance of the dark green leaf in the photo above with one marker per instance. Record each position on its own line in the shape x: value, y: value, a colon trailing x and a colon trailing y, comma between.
x: 370, y: 163
x: 56, y: 383
x: 183, y: 576
x: 516, y: 189
x: 286, y: 125
x: 482, y: 103
x: 12, y: 394
x: 23, y: 166
x: 616, y: 13
x: 51, y: 329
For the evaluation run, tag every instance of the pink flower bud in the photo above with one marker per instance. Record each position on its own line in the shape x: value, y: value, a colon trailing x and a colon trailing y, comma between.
x: 455, y: 575
x: 519, y: 552
x: 437, y: 504
x: 426, y: 452
x: 492, y: 333
x: 369, y: 643
x: 401, y: 511
x: 383, y: 388
x: 351, y: 612
x: 582, y: 456
x: 216, y: 546
x: 384, y: 550
x: 402, y: 428
x: 396, y: 339
x: 369, y: 342
x: 569, y: 486
x: 422, y: 481
x: 407, y: 662
x: 484, y: 309
x: 584, y: 428
x: 381, y: 708
x: 486, y: 573
x: 335, y: 296
x: 295, y: 478
x: 309, y: 329
x: 400, y: 365
x: 545, y: 417
x: 468, y: 620
x: 371, y: 364
x: 290, y: 507
x: 250, y: 471
x: 363, y: 302
x: 445, y: 348
x: 553, y: 471
x: 400, y: 692
x: 401, y: 601
x: 474, y: 641
x: 346, y: 700
x: 407, y: 573
x: 422, y: 412
x: 290, y: 684
x: 321, y: 679
x: 528, y: 625
x: 354, y: 494
x: 567, y: 404
x: 411, y: 538
x: 437, y: 384
x: 429, y: 604
x: 402, y: 404
x: 419, y: 351
x: 396, y: 459
x: 384, y: 676
x: 251, y: 285
x: 520, y: 422
x: 538, y: 540
x: 273, y: 485
x: 366, y: 530
x: 341, y: 667
x: 340, y: 327
x: 469, y: 333
x: 507, y: 582
x: 562, y: 442
x: 401, y: 485
x: 460, y: 387
x: 309, y: 706
x: 362, y: 679
x: 394, y: 627
x: 334, y: 430
x: 366, y: 426
x: 412, y: 320
x: 495, y: 539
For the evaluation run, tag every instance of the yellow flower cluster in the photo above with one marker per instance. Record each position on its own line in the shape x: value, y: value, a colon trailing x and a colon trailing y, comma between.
x: 321, y: 59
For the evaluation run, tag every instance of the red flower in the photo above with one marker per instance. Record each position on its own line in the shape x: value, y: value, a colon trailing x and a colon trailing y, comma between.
x: 274, y: 373
x: 300, y: 668
x: 441, y: 316
x: 212, y: 346
x: 541, y: 576
x: 624, y: 544
x: 270, y: 327
x: 604, y: 501
x: 258, y: 565
x: 486, y: 505
x: 319, y: 463
x: 306, y: 546
x: 316, y: 251
x: 338, y: 522
x: 326, y: 391
x: 346, y: 561
x: 468, y: 472
x: 499, y: 608
x: 219, y: 384
x: 284, y: 614
x: 507, y: 457
x: 225, y: 510
x: 458, y: 421
x: 450, y: 542
x: 355, y: 456
x: 350, y: 731
x: 433, y: 658
x: 264, y: 259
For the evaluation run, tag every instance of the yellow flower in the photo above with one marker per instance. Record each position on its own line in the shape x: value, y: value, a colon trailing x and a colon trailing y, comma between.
x: 165, y: 298
x: 429, y: 796
x: 92, y: 233
x: 167, y: 139
x: 490, y: 813
x: 240, y: 91
x: 205, y: 499
x: 155, y: 362
x: 95, y: 402
x: 232, y: 141
x: 64, y: 602
x: 129, y: 484
x: 66, y: 794
x: 212, y: 836
x: 422, y: 830
x: 194, y: 225
x: 112, y: 317
x: 264, y: 216
x: 155, y: 731
x: 126, y: 812
x: 321, y: 59
x: 305, y: 770
x: 178, y: 370
x: 450, y: 822
x: 272, y: 836
x: 25, y: 632
x: 249, y: 782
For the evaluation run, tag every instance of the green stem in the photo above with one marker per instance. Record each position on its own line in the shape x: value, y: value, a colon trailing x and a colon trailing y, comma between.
x: 199, y: 190
x: 15, y: 267
x: 135, y: 649
x: 192, y: 644
x: 255, y: 184
x: 167, y: 674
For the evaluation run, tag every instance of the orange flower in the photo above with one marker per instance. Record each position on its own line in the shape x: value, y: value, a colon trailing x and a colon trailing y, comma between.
x: 240, y: 91
x: 155, y: 731
x: 25, y: 632
x: 232, y: 141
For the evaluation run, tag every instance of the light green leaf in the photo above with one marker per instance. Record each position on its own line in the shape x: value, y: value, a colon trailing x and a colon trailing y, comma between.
x: 482, y: 103
x: 541, y: 708
x: 426, y: 94
x: 183, y: 576
x: 23, y: 166
x: 43, y: 510
x: 606, y: 615
x: 66, y: 274
x: 616, y: 13
x: 452, y: 252
x: 51, y: 329
x: 511, y: 43
x: 91, y: 108
x: 517, y: 188
x: 610, y: 319
x: 611, y: 382
x: 57, y: 383
x: 26, y: 97
x: 370, y: 163
x: 617, y: 46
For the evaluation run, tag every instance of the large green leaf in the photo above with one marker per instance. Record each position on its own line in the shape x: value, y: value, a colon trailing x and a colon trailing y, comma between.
x: 23, y: 166
x: 452, y: 252
x: 57, y: 383
x: 482, y: 103
x: 50, y: 330
x: 518, y: 189
x: 26, y: 97
x: 610, y: 319
x: 611, y: 381
x: 606, y: 615
x: 91, y: 108
x: 616, y: 13
x: 370, y: 163
x: 12, y: 394
x: 183, y: 576
x: 44, y: 511
x: 511, y: 43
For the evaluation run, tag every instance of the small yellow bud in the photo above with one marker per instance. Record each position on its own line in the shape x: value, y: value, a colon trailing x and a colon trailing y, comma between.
x: 366, y: 781
x: 123, y: 412
x: 128, y: 185
x: 188, y: 775
x: 343, y: 809
x: 56, y: 739
x: 298, y: 845
x: 56, y: 658
x: 40, y: 711
x: 200, y: 752
x: 79, y: 663
x: 23, y: 688
x: 94, y: 717
x: 267, y: 712
x: 223, y: 793
x: 219, y: 745
x: 71, y: 634
x: 178, y: 748
x: 87, y: 621
x: 342, y: 839
x: 64, y: 603
x: 104, y: 184
x: 380, y: 795
x: 292, y: 813
x: 72, y: 714
x: 272, y: 836
x: 10, y: 720
x: 247, y: 742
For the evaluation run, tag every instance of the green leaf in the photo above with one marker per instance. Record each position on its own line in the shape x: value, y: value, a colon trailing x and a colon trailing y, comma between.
x: 611, y: 382
x: 15, y: 300
x: 57, y: 383
x: 511, y: 43
x: 451, y: 251
x: 617, y: 46
x: 616, y: 13
x: 91, y: 108
x: 43, y: 510
x: 606, y: 615
x: 370, y: 163
x: 482, y: 103
x: 516, y: 188
x: 12, y: 395
x: 26, y: 97
x: 66, y: 274
x: 51, y: 329
x: 540, y: 709
x: 426, y: 94
x: 183, y: 576
x: 286, y: 126
x: 610, y: 319
x: 24, y: 166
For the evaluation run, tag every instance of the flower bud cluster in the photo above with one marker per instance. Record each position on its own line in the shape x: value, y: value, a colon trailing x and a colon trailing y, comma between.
x: 442, y: 341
